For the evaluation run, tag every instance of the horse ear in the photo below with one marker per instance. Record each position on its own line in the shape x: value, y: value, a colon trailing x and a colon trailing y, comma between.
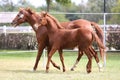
x: 44, y: 14
x: 21, y: 8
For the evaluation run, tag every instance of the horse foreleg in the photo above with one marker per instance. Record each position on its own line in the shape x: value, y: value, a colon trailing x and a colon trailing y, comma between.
x: 49, y: 58
x: 40, y: 50
x: 53, y: 63
x: 62, y: 59
x: 89, y: 64
x: 80, y: 54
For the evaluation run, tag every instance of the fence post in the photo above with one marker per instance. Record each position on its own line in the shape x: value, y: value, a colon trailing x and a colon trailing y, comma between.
x: 4, y: 32
x: 44, y: 58
x: 104, y: 28
x: 4, y: 29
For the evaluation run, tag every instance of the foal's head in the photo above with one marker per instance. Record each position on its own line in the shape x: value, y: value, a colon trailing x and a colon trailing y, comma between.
x: 43, y: 18
x: 22, y: 16
x: 46, y: 17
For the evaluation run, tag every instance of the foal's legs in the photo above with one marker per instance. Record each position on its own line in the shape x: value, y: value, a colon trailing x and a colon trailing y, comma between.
x: 62, y: 59
x: 40, y: 51
x: 80, y: 54
x: 53, y: 63
x: 52, y: 51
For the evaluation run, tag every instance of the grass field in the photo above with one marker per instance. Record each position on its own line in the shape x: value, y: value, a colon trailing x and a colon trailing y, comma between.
x: 18, y: 66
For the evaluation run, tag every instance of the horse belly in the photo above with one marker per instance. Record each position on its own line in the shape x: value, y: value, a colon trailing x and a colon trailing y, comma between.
x: 70, y: 45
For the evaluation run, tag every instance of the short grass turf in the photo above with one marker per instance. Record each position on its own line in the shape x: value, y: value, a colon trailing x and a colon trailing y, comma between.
x: 18, y: 65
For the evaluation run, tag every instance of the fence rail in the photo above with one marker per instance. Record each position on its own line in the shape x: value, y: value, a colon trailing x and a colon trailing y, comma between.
x: 20, y: 29
x: 28, y: 29
x: 7, y: 17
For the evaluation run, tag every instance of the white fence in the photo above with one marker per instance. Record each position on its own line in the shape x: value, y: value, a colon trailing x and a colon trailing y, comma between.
x: 28, y: 29
x: 21, y: 29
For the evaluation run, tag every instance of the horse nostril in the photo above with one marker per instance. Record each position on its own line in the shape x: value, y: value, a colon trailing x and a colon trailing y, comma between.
x: 13, y: 22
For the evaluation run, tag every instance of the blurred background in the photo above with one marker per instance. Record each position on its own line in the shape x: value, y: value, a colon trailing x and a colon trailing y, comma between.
x: 104, y: 12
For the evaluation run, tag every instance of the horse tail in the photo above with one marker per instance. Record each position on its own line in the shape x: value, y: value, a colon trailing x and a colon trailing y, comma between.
x: 100, y: 44
x: 98, y: 30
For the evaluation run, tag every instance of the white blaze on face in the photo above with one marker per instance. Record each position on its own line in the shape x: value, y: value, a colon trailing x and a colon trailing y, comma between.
x: 21, y: 15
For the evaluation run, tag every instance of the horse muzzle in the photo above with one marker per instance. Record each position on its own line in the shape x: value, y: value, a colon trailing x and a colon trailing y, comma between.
x: 14, y: 24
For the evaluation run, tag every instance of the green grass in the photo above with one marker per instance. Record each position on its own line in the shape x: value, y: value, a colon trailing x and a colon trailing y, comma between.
x: 18, y: 66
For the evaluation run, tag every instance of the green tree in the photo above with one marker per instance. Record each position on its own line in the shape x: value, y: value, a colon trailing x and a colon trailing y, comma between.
x: 6, y: 5
x: 116, y: 9
x: 63, y: 2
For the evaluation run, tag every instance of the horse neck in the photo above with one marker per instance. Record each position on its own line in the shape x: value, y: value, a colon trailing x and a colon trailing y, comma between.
x: 32, y: 20
x: 51, y: 26
x: 56, y: 21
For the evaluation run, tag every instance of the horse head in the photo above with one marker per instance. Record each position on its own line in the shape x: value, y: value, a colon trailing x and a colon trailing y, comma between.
x: 43, y: 18
x: 46, y: 16
x: 21, y: 16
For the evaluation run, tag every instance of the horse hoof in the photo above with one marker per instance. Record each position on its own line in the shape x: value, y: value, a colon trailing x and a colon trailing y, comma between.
x: 47, y: 71
x: 34, y: 70
x: 89, y: 71
x: 101, y: 70
x: 64, y: 70
x: 72, y: 69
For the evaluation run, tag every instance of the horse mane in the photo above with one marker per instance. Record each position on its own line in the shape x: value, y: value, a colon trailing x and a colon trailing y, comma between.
x: 54, y: 19
x: 30, y: 10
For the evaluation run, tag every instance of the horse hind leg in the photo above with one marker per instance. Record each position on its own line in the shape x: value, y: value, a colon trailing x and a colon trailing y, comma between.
x: 80, y: 54
x: 55, y: 65
x: 89, y: 64
x: 103, y: 55
x: 96, y: 58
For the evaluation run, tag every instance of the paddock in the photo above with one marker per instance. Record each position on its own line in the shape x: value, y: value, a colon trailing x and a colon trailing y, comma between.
x: 17, y: 65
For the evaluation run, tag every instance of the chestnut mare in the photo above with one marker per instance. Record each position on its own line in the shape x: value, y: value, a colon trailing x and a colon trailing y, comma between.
x: 60, y: 38
x: 27, y: 15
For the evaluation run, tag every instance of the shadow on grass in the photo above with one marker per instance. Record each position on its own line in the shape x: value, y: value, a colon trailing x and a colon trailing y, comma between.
x: 24, y: 71
x: 43, y: 71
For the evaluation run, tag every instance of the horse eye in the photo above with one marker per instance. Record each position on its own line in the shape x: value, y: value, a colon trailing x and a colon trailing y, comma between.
x: 40, y: 19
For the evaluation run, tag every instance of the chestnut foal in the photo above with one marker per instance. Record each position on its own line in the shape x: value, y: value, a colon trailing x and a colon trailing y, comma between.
x: 60, y: 38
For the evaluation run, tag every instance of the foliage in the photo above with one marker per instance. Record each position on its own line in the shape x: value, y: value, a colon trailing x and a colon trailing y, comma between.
x: 63, y: 2
x: 116, y: 9
x: 6, y: 5
x: 18, y: 41
x: 113, y: 39
x: 60, y: 17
